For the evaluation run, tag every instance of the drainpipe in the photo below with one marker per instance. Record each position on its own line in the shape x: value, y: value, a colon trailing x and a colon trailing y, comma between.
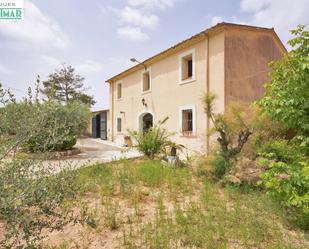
x: 207, y: 92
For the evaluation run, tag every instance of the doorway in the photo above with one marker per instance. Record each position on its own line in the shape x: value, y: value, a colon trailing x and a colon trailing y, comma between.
x: 96, y: 126
x: 145, y: 122
x: 99, y: 125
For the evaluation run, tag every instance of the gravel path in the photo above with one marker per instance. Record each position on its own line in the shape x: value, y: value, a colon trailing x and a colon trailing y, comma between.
x: 93, y: 151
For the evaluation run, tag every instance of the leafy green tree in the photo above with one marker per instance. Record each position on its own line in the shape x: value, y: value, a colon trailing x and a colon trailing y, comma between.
x: 287, y: 94
x: 287, y: 101
x: 65, y: 85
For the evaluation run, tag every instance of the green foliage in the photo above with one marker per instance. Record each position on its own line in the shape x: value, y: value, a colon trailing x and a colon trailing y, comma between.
x: 154, y: 141
x: 287, y: 97
x: 52, y: 126
x: 65, y: 86
x: 36, y: 197
x: 288, y: 176
x: 281, y: 151
x: 151, y: 173
x: 220, y: 165
x: 233, y: 127
x: 32, y: 198
x: 286, y: 101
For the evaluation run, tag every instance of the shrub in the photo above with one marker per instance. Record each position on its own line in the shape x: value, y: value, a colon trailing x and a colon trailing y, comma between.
x: 220, y: 165
x: 286, y: 102
x: 32, y: 198
x: 287, y: 177
x: 286, y: 96
x: 52, y: 126
x: 281, y: 151
x: 233, y: 127
x: 152, y: 142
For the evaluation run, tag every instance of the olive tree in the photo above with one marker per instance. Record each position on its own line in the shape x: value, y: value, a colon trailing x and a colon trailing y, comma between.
x: 35, y: 198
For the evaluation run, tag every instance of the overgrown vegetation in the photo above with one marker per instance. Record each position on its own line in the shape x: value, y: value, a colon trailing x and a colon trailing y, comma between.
x: 287, y: 97
x: 155, y: 141
x: 144, y: 204
x: 273, y: 133
x: 36, y: 197
x: 234, y: 127
x: 287, y: 101
x: 40, y: 126
x: 32, y: 199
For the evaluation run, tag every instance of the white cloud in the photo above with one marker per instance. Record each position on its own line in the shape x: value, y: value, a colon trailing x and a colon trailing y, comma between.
x: 283, y: 15
x: 120, y: 62
x: 254, y: 5
x: 36, y: 28
x: 135, y: 17
x: 152, y: 4
x: 132, y: 33
x: 216, y: 19
x: 5, y: 70
x: 51, y: 61
x: 138, y: 15
x: 89, y: 67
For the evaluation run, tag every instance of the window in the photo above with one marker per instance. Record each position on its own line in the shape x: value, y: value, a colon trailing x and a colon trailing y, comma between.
x: 146, y: 81
x: 119, y: 90
x: 119, y: 125
x: 187, y: 120
x: 190, y: 69
x: 187, y: 67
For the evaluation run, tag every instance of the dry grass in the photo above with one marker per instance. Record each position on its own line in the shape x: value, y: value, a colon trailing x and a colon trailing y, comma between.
x: 144, y: 204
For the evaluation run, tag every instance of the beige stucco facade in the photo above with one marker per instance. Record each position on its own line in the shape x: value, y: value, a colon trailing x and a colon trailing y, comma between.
x: 169, y: 95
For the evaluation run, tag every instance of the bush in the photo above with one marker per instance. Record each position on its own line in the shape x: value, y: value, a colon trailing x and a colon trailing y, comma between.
x: 287, y: 178
x: 35, y: 196
x: 234, y: 127
x: 152, y: 142
x: 281, y: 151
x: 52, y: 126
x: 220, y: 165
x: 32, y: 199
x: 286, y: 96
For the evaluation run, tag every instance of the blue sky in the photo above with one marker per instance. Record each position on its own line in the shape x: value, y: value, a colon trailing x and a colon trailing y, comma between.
x: 98, y: 37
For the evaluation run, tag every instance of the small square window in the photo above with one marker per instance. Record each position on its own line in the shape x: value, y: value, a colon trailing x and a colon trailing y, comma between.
x: 119, y: 125
x: 187, y: 67
x: 119, y: 90
x: 146, y: 81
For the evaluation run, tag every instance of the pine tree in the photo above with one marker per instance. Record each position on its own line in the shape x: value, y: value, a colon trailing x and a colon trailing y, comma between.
x: 65, y: 85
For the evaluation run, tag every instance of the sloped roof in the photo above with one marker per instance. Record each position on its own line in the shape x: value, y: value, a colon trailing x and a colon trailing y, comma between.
x: 196, y: 38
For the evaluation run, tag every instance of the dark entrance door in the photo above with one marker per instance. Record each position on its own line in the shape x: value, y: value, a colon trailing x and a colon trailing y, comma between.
x: 96, y: 126
x: 147, y: 122
x: 104, y: 125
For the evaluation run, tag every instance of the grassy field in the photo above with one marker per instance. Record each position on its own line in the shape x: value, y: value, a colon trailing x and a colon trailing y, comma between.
x: 144, y: 204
